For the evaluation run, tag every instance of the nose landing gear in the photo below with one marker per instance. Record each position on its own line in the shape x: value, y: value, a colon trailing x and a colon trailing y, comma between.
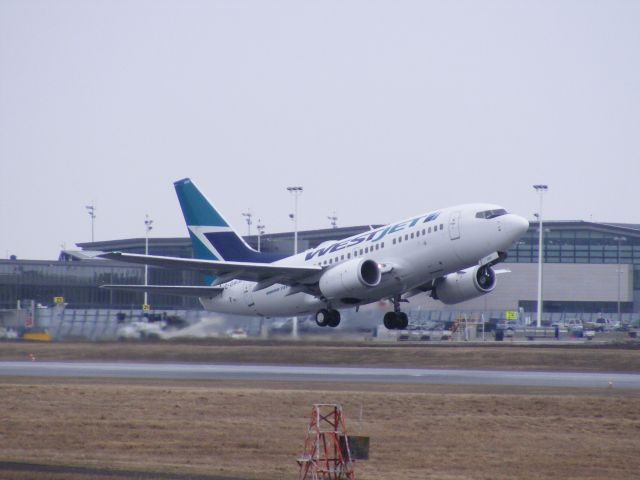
x: 328, y: 317
x: 396, y: 320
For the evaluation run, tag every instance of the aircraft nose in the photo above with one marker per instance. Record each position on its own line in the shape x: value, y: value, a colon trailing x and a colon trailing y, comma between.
x: 518, y: 226
x: 513, y: 228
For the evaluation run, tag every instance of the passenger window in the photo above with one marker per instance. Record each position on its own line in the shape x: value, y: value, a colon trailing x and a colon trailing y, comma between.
x: 441, y: 226
x: 399, y: 239
x: 424, y: 231
x: 418, y: 233
x: 341, y: 257
x: 348, y: 255
x: 382, y: 245
x: 429, y: 230
x: 361, y: 251
x: 406, y: 237
x: 411, y: 234
x: 393, y: 241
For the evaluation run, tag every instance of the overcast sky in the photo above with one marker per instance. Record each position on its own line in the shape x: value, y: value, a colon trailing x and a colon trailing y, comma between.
x: 379, y: 109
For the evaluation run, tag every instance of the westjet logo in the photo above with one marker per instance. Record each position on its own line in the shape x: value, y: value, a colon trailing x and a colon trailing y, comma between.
x: 372, y: 236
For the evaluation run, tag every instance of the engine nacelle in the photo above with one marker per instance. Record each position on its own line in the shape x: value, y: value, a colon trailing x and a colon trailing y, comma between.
x: 350, y: 281
x: 465, y: 285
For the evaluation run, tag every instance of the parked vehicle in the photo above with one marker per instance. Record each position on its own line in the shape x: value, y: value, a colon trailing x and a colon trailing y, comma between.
x: 601, y: 325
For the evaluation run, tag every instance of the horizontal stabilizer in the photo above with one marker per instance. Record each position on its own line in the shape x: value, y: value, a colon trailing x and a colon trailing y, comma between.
x: 182, y: 291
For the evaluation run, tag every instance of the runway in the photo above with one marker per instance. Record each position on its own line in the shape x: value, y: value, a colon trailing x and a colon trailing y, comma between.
x: 178, y: 371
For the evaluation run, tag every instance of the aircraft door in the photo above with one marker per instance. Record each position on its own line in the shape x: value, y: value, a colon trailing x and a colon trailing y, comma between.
x: 454, y: 225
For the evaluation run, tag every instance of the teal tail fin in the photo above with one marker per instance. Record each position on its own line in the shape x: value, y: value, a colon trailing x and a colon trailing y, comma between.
x: 211, y: 235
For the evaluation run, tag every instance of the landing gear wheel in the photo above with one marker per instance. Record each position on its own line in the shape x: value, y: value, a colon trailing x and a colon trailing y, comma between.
x: 396, y: 320
x: 322, y: 317
x: 402, y: 321
x: 334, y: 318
x: 390, y: 320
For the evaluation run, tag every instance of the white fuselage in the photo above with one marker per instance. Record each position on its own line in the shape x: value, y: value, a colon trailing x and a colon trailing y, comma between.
x: 410, y: 253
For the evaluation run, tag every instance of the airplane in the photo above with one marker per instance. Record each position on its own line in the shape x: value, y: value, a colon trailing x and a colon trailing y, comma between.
x: 448, y: 253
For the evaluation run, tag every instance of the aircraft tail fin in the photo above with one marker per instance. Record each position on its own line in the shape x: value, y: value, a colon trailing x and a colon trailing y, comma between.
x: 211, y: 235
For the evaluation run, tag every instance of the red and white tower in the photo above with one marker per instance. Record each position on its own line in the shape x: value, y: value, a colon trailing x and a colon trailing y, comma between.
x: 326, y: 454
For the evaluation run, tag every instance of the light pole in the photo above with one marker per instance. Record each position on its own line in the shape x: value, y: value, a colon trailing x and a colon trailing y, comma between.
x: 91, y: 209
x: 260, y: 228
x: 541, y: 189
x: 619, y: 271
x: 334, y: 220
x: 148, y: 223
x: 296, y: 192
x: 248, y: 216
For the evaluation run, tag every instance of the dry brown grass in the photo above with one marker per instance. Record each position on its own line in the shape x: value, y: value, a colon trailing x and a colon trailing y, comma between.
x: 620, y: 358
x: 257, y: 430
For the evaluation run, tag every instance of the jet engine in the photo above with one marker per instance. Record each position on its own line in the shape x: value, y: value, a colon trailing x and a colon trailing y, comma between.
x: 464, y: 285
x: 350, y: 281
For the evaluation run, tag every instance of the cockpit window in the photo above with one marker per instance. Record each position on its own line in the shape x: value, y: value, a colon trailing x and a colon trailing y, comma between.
x: 491, y: 213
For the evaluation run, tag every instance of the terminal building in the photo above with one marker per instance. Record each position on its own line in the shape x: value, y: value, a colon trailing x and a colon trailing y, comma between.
x: 589, y: 268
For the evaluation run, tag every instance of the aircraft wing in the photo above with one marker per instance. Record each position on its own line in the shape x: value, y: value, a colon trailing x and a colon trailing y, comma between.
x: 183, y: 291
x: 266, y: 274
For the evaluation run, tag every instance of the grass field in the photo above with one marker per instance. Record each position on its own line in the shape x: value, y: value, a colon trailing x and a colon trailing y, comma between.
x: 174, y: 429
x: 256, y: 431
x: 623, y: 357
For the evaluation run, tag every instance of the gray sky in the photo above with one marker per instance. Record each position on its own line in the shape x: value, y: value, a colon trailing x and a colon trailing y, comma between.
x: 379, y: 109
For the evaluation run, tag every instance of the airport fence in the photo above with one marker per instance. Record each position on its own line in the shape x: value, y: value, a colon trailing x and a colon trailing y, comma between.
x: 105, y: 324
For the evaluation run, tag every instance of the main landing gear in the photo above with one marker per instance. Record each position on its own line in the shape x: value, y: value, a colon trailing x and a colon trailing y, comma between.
x: 328, y: 317
x: 396, y: 320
